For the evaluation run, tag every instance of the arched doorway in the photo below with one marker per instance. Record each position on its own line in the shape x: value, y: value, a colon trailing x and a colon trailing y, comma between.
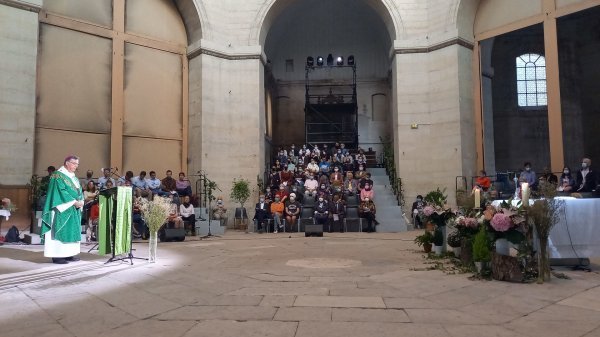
x: 295, y: 30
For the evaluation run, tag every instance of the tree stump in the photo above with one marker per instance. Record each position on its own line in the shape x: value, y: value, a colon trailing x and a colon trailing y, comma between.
x: 506, y: 268
x: 466, y: 251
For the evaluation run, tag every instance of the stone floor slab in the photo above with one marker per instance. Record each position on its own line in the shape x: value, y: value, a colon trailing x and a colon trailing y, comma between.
x: 584, y: 300
x: 280, y: 291
x: 369, y: 315
x: 240, y: 313
x: 442, y: 316
x: 151, y: 327
x: 278, y: 301
x: 480, y: 330
x: 345, y: 329
x: 297, y: 314
x: 408, y: 303
x: 222, y: 328
x: 339, y: 302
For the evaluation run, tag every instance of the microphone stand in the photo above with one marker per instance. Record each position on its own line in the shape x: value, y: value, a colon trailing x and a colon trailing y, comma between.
x: 209, y: 187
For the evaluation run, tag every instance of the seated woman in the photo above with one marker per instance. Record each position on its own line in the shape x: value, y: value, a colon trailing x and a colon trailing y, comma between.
x: 482, y: 181
x: 367, y: 210
x: 174, y: 219
x: 186, y: 210
x: 292, y: 210
x: 321, y: 211
x: 367, y: 192
x: 566, y: 182
x: 90, y: 192
x: 183, y: 185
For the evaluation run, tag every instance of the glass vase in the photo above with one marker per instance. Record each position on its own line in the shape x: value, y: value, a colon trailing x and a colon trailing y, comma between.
x: 502, y: 247
x: 152, y: 247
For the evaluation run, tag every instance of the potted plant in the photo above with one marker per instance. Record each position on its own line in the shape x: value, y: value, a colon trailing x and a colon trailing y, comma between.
x: 425, y: 240
x: 438, y: 241
x: 240, y: 192
x: 454, y: 241
x: 481, y: 249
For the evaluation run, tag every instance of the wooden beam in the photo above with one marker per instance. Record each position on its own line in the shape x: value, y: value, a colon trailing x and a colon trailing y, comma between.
x: 478, y: 107
x: 555, y: 130
x: 530, y: 21
x: 118, y: 85
x: 574, y: 8
x: 185, y: 113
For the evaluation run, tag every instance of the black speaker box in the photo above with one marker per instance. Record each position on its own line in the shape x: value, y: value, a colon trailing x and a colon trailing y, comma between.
x: 171, y: 234
x: 313, y: 230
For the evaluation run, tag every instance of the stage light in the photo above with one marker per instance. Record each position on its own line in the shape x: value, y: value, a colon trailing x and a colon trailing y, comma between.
x: 329, y: 60
x: 340, y: 61
x: 320, y: 61
x: 351, y: 60
x: 310, y: 61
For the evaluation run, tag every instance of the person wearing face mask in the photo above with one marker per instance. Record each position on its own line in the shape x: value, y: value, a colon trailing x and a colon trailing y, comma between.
x: 336, y: 178
x: 269, y: 196
x: 274, y: 178
x: 324, y: 191
x: 338, y: 211
x: 287, y: 176
x: 277, y: 208
x: 586, y: 177
x: 566, y: 182
x: 366, y: 179
x: 350, y: 185
x: 313, y: 167
x: 528, y: 175
x: 417, y: 210
x: 367, y: 192
x: 186, y: 211
x: 321, y: 211
x: 299, y: 195
x: 292, y: 210
x: 261, y: 213
x: 219, y: 211
x: 548, y: 177
x: 311, y: 186
x: 283, y: 193
x: 367, y: 210
x: 361, y: 173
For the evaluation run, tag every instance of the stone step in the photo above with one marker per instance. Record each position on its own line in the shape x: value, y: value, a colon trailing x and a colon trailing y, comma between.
x: 377, y: 171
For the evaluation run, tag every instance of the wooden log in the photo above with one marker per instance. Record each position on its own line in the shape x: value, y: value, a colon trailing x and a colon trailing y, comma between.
x: 506, y: 268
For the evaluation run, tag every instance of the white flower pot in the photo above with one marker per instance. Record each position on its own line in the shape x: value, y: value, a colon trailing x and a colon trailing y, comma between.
x: 437, y: 250
x: 502, y: 247
x: 456, y: 251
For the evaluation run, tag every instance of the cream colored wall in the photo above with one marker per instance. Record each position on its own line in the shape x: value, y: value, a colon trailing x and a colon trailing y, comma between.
x: 18, y: 50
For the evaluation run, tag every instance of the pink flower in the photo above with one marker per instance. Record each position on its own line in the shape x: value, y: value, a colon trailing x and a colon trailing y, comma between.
x: 471, y: 222
x: 428, y: 210
x: 501, y: 222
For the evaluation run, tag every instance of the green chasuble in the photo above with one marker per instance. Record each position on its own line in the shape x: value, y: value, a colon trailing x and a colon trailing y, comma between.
x: 65, y: 225
x: 122, y: 229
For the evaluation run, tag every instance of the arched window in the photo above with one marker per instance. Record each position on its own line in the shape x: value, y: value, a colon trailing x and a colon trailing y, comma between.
x: 531, y: 80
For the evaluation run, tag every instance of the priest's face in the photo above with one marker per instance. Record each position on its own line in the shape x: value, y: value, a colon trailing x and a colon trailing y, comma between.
x: 72, y: 165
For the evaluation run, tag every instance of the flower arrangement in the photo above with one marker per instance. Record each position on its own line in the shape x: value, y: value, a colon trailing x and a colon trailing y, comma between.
x: 155, y: 212
x: 436, y: 210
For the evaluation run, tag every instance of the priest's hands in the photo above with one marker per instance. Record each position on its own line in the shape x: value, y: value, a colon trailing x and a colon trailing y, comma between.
x: 78, y: 204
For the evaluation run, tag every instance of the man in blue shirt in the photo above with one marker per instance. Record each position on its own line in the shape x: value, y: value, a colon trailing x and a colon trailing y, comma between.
x: 528, y: 175
x: 154, y: 184
x: 140, y: 186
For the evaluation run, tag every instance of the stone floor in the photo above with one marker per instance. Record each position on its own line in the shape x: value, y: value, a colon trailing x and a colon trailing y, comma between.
x: 353, y: 284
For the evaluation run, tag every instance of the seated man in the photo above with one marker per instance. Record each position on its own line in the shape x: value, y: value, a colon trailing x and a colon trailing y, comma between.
x: 169, y: 184
x: 338, y: 211
x: 105, y: 178
x: 311, y: 186
x: 324, y: 167
x: 277, y: 208
x: 220, y: 211
x: 312, y: 167
x: 261, y: 213
x: 184, y: 187
x: 292, y: 210
x: 154, y: 185
x: 321, y: 211
x: 337, y: 178
x: 350, y: 185
x: 586, y: 177
x: 126, y: 179
x: 186, y: 210
x: 140, y: 186
x: 483, y: 181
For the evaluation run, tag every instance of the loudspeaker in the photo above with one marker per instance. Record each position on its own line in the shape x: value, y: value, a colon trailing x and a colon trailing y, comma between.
x: 313, y: 230
x: 171, y: 234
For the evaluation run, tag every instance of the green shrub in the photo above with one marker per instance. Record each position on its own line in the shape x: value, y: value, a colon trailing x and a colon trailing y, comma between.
x: 481, y: 250
x: 425, y: 238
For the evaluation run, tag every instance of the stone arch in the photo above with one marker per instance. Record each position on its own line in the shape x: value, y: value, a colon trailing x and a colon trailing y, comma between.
x: 271, y: 9
x: 465, y: 18
x: 193, y: 18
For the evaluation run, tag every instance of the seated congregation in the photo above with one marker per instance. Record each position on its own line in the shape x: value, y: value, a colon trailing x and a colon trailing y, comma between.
x: 179, y: 191
x: 323, y: 186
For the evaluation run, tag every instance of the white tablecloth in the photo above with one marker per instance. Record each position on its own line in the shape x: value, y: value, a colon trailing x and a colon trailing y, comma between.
x: 5, y: 213
x: 577, y: 234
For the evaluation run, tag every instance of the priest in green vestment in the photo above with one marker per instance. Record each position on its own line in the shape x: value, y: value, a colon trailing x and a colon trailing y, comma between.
x: 61, y: 219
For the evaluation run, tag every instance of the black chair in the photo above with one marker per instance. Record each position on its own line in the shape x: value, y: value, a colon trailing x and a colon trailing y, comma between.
x: 351, y: 200
x: 308, y: 201
x: 306, y: 217
x: 352, y: 221
x: 241, y: 215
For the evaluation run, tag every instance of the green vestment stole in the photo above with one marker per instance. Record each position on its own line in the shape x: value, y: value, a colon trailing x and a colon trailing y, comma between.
x: 122, y: 229
x: 66, y: 225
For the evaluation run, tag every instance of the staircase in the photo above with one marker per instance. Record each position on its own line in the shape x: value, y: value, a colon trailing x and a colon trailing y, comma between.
x: 389, y: 214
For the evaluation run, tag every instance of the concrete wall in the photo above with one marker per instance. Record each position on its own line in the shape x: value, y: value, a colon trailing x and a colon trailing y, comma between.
x: 18, y: 52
